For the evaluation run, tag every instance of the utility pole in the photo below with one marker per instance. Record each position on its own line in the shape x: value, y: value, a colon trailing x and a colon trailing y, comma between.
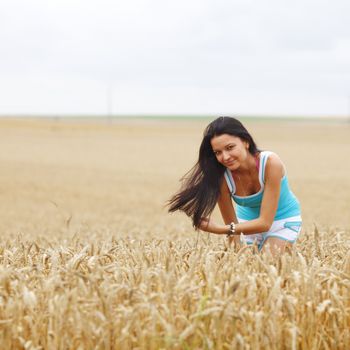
x: 109, y: 101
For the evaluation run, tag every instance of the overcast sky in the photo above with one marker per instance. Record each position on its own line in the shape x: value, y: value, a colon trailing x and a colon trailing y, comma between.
x: 175, y: 57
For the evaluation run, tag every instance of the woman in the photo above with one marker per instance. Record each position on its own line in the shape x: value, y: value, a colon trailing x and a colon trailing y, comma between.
x: 230, y: 166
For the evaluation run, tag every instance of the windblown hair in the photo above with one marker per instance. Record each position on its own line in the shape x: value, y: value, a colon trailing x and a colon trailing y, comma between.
x: 200, y: 188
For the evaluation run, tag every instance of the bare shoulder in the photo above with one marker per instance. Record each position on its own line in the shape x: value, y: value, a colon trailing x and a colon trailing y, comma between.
x: 224, y: 187
x: 274, y: 166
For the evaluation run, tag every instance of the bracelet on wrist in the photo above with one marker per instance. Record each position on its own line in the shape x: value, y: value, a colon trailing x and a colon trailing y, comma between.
x: 232, y: 229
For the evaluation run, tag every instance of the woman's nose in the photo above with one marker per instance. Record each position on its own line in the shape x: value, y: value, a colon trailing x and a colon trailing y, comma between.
x: 225, y: 155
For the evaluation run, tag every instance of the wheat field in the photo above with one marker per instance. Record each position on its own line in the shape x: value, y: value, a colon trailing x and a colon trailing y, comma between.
x: 90, y: 259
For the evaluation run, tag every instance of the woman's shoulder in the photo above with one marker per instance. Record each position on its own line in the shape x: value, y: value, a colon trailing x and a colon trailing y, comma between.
x: 269, y: 155
x: 224, y: 187
x: 274, y: 163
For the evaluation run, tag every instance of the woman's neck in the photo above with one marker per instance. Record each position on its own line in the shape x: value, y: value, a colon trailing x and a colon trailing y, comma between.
x: 247, y: 167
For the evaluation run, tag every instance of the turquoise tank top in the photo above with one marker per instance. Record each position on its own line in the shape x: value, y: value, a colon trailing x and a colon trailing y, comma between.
x: 248, y: 208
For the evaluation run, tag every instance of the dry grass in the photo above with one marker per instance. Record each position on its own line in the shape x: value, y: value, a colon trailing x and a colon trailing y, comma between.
x: 90, y: 260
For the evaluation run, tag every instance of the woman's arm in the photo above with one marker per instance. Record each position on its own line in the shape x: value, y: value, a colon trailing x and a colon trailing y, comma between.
x: 225, y: 204
x: 227, y: 212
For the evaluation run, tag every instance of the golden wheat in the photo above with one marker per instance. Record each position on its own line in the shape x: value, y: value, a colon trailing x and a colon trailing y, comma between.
x: 180, y: 294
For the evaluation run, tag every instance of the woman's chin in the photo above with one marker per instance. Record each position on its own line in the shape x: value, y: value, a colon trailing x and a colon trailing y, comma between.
x: 233, y: 166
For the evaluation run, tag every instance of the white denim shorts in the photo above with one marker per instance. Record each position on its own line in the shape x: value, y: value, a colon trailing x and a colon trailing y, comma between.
x: 286, y: 229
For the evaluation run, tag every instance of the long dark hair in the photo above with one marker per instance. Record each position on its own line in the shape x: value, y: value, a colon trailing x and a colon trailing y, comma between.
x: 200, y: 188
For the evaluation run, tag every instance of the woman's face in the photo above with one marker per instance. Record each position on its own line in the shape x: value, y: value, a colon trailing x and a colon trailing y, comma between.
x: 230, y: 150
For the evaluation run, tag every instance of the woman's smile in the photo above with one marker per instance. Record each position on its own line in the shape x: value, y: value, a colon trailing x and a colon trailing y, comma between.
x: 230, y: 163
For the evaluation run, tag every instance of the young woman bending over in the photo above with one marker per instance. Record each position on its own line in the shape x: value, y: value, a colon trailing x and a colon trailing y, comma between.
x: 231, y: 167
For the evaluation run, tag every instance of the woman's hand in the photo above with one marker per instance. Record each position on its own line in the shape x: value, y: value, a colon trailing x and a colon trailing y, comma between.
x: 208, y: 225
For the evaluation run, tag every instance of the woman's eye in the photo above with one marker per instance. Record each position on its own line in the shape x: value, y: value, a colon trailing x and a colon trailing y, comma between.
x: 230, y: 147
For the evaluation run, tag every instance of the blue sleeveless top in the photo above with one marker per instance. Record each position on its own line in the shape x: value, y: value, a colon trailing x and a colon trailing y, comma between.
x: 248, y: 208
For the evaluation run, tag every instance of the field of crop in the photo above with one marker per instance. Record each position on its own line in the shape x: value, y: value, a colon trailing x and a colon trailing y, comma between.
x: 90, y: 259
